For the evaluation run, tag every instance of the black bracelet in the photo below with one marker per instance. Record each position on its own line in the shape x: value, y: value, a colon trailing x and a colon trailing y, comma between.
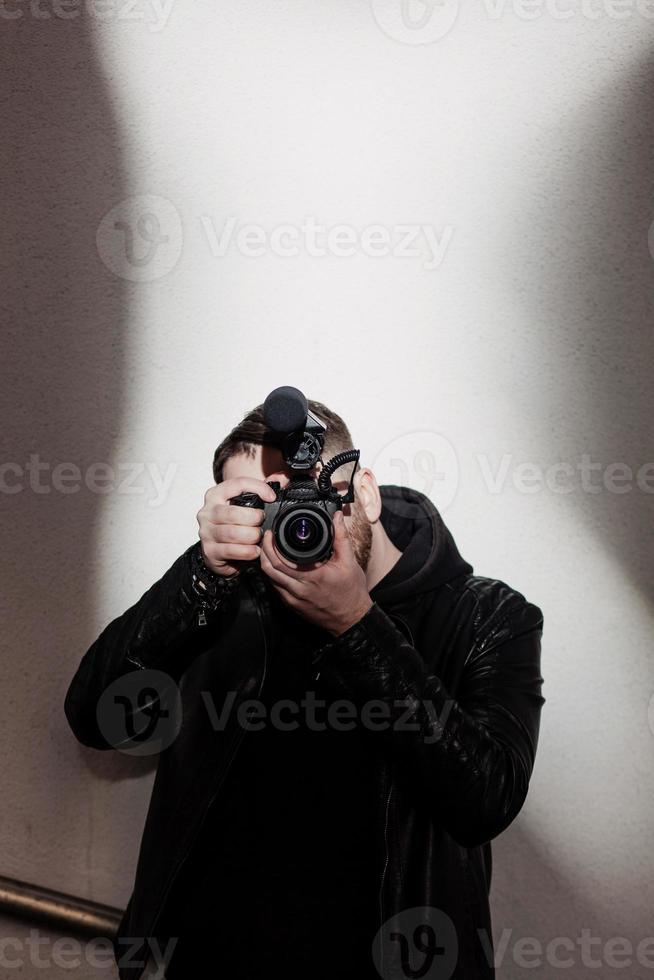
x: 206, y: 583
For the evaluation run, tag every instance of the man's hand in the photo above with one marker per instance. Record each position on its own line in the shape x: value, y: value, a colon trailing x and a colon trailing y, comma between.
x: 227, y: 531
x: 332, y: 594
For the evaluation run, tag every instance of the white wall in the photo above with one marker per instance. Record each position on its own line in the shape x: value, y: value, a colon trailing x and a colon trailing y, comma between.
x: 522, y: 139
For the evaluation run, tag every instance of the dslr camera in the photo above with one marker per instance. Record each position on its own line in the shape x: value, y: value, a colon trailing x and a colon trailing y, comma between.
x: 301, y: 516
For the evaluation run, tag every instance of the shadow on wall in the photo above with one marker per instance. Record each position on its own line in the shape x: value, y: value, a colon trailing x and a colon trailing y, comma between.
x: 591, y: 311
x: 539, y: 901
x: 63, y: 398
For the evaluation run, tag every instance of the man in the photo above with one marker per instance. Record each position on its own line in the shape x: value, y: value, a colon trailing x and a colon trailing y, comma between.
x: 342, y: 828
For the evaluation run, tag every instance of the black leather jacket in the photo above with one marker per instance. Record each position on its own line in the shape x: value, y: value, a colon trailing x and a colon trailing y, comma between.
x: 457, y: 653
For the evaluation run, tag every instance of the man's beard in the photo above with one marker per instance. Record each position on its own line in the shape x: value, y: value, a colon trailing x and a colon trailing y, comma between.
x: 360, y: 532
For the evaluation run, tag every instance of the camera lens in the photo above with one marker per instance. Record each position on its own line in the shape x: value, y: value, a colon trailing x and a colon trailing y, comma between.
x: 304, y: 534
x: 301, y: 532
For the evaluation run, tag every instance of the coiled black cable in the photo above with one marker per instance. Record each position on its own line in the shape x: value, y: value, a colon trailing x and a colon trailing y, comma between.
x: 347, y: 456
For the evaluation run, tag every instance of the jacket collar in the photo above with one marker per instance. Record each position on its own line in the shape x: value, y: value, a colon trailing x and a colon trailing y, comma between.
x: 429, y: 557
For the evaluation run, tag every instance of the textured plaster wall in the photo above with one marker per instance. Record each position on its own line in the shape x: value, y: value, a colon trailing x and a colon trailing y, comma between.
x: 518, y: 332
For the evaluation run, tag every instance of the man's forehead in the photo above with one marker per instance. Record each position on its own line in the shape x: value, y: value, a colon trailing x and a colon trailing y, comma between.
x: 266, y: 459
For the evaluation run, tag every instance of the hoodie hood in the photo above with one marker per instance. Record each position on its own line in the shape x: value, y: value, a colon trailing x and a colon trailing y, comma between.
x: 429, y: 555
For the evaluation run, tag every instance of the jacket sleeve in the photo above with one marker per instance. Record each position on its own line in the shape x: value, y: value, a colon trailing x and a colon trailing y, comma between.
x: 470, y: 757
x: 161, y: 631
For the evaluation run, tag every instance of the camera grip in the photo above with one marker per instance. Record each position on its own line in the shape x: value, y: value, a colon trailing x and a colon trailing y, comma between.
x: 247, y: 500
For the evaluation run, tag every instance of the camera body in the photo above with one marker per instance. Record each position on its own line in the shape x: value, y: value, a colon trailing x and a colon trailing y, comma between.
x: 302, y: 525
x: 301, y: 516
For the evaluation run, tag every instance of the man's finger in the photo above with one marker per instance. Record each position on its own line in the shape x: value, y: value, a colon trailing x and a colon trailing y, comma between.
x: 288, y: 580
x: 276, y: 560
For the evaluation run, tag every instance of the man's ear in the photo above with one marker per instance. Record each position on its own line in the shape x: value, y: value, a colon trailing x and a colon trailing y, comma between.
x: 366, y: 493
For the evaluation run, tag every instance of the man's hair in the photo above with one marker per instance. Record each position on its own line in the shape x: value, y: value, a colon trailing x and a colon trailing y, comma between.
x: 253, y: 430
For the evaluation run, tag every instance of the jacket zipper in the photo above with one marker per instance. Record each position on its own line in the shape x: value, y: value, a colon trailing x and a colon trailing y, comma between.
x: 228, y: 763
x: 202, y: 621
x: 202, y: 615
x: 204, y: 604
x: 409, y: 637
x: 383, y: 876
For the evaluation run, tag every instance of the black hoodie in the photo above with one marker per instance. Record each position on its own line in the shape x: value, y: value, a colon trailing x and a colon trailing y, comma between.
x: 429, y: 555
x: 298, y: 806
